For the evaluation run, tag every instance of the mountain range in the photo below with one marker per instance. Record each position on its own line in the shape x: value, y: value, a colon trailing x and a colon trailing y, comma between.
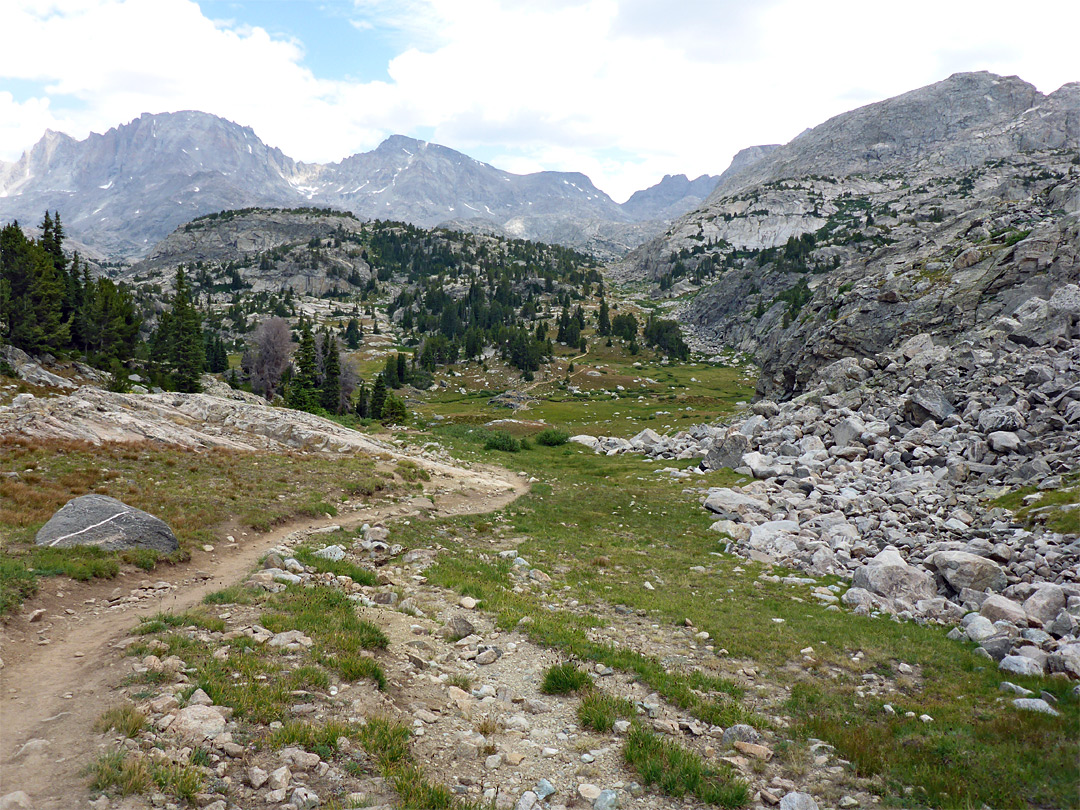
x: 122, y: 191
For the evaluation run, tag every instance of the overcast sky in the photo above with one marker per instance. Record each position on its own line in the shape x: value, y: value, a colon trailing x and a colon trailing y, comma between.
x: 622, y: 90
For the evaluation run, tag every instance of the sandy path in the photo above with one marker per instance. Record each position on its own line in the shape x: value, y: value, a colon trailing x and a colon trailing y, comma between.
x: 52, y: 693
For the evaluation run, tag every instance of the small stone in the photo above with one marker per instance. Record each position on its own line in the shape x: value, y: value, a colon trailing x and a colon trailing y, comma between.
x: 488, y: 656
x: 1006, y: 686
x: 798, y: 801
x: 849, y: 801
x: 493, y: 761
x: 16, y: 801
x: 300, y: 760
x: 257, y: 777
x: 754, y: 750
x: 588, y: 792
x: 740, y: 731
x: 468, y: 602
x: 607, y: 800
x: 34, y: 617
x: 199, y: 698
x: 279, y: 779
x: 543, y: 789
x: 548, y: 753
x: 1021, y: 665
x: 304, y: 798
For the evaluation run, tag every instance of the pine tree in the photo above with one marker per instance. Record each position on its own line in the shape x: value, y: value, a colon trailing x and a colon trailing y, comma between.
x: 390, y: 372
x: 303, y: 387
x: 363, y: 402
x: 402, y: 369
x: 31, y: 295
x: 394, y: 412
x: 188, y: 348
x: 378, y: 397
x: 353, y: 335
x: 603, y: 327
x: 330, y: 392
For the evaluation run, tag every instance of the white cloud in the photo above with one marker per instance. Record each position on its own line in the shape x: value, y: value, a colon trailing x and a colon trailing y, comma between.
x: 623, y: 90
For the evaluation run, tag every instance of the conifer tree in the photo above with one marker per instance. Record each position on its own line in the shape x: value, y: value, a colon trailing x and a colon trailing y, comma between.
x: 188, y: 348
x: 363, y: 402
x: 31, y: 295
x: 390, y: 372
x: 353, y: 335
x: 303, y: 387
x: 330, y: 391
x: 378, y: 397
x: 603, y: 325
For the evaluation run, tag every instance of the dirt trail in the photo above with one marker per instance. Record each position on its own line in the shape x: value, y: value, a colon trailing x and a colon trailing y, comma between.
x: 51, y: 693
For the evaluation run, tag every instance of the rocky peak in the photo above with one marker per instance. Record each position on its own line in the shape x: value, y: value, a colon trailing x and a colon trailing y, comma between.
x: 674, y: 195
x: 957, y: 123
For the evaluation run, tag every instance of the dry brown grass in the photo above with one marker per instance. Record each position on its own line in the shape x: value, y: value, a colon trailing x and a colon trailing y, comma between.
x: 194, y: 491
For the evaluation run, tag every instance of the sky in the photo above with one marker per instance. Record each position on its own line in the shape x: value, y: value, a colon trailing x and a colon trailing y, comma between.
x: 625, y: 91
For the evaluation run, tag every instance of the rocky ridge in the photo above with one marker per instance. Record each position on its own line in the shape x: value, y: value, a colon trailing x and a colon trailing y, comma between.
x: 885, y: 472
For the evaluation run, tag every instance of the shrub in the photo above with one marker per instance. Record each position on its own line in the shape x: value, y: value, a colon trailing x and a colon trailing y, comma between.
x: 552, y: 437
x: 503, y: 442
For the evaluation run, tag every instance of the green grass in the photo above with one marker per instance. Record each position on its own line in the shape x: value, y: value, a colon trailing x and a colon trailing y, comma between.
x: 325, y: 614
x: 120, y: 773
x: 563, y: 679
x: 586, y: 508
x: 124, y: 774
x: 1047, y: 508
x: 233, y: 595
x: 679, y: 772
x: 411, y: 472
x: 340, y: 568
x: 163, y: 621
x: 599, y: 711
x: 504, y: 442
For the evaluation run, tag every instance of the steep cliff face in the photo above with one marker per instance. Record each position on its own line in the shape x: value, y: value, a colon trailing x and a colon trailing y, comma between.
x: 945, y: 209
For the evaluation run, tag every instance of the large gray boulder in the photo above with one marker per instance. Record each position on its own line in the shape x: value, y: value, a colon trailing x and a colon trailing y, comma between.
x: 1045, y: 604
x: 889, y: 575
x: 727, y: 452
x: 929, y: 402
x: 109, y: 524
x: 963, y: 570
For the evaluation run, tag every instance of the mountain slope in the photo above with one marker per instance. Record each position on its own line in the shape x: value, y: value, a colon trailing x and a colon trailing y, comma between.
x: 947, y: 209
